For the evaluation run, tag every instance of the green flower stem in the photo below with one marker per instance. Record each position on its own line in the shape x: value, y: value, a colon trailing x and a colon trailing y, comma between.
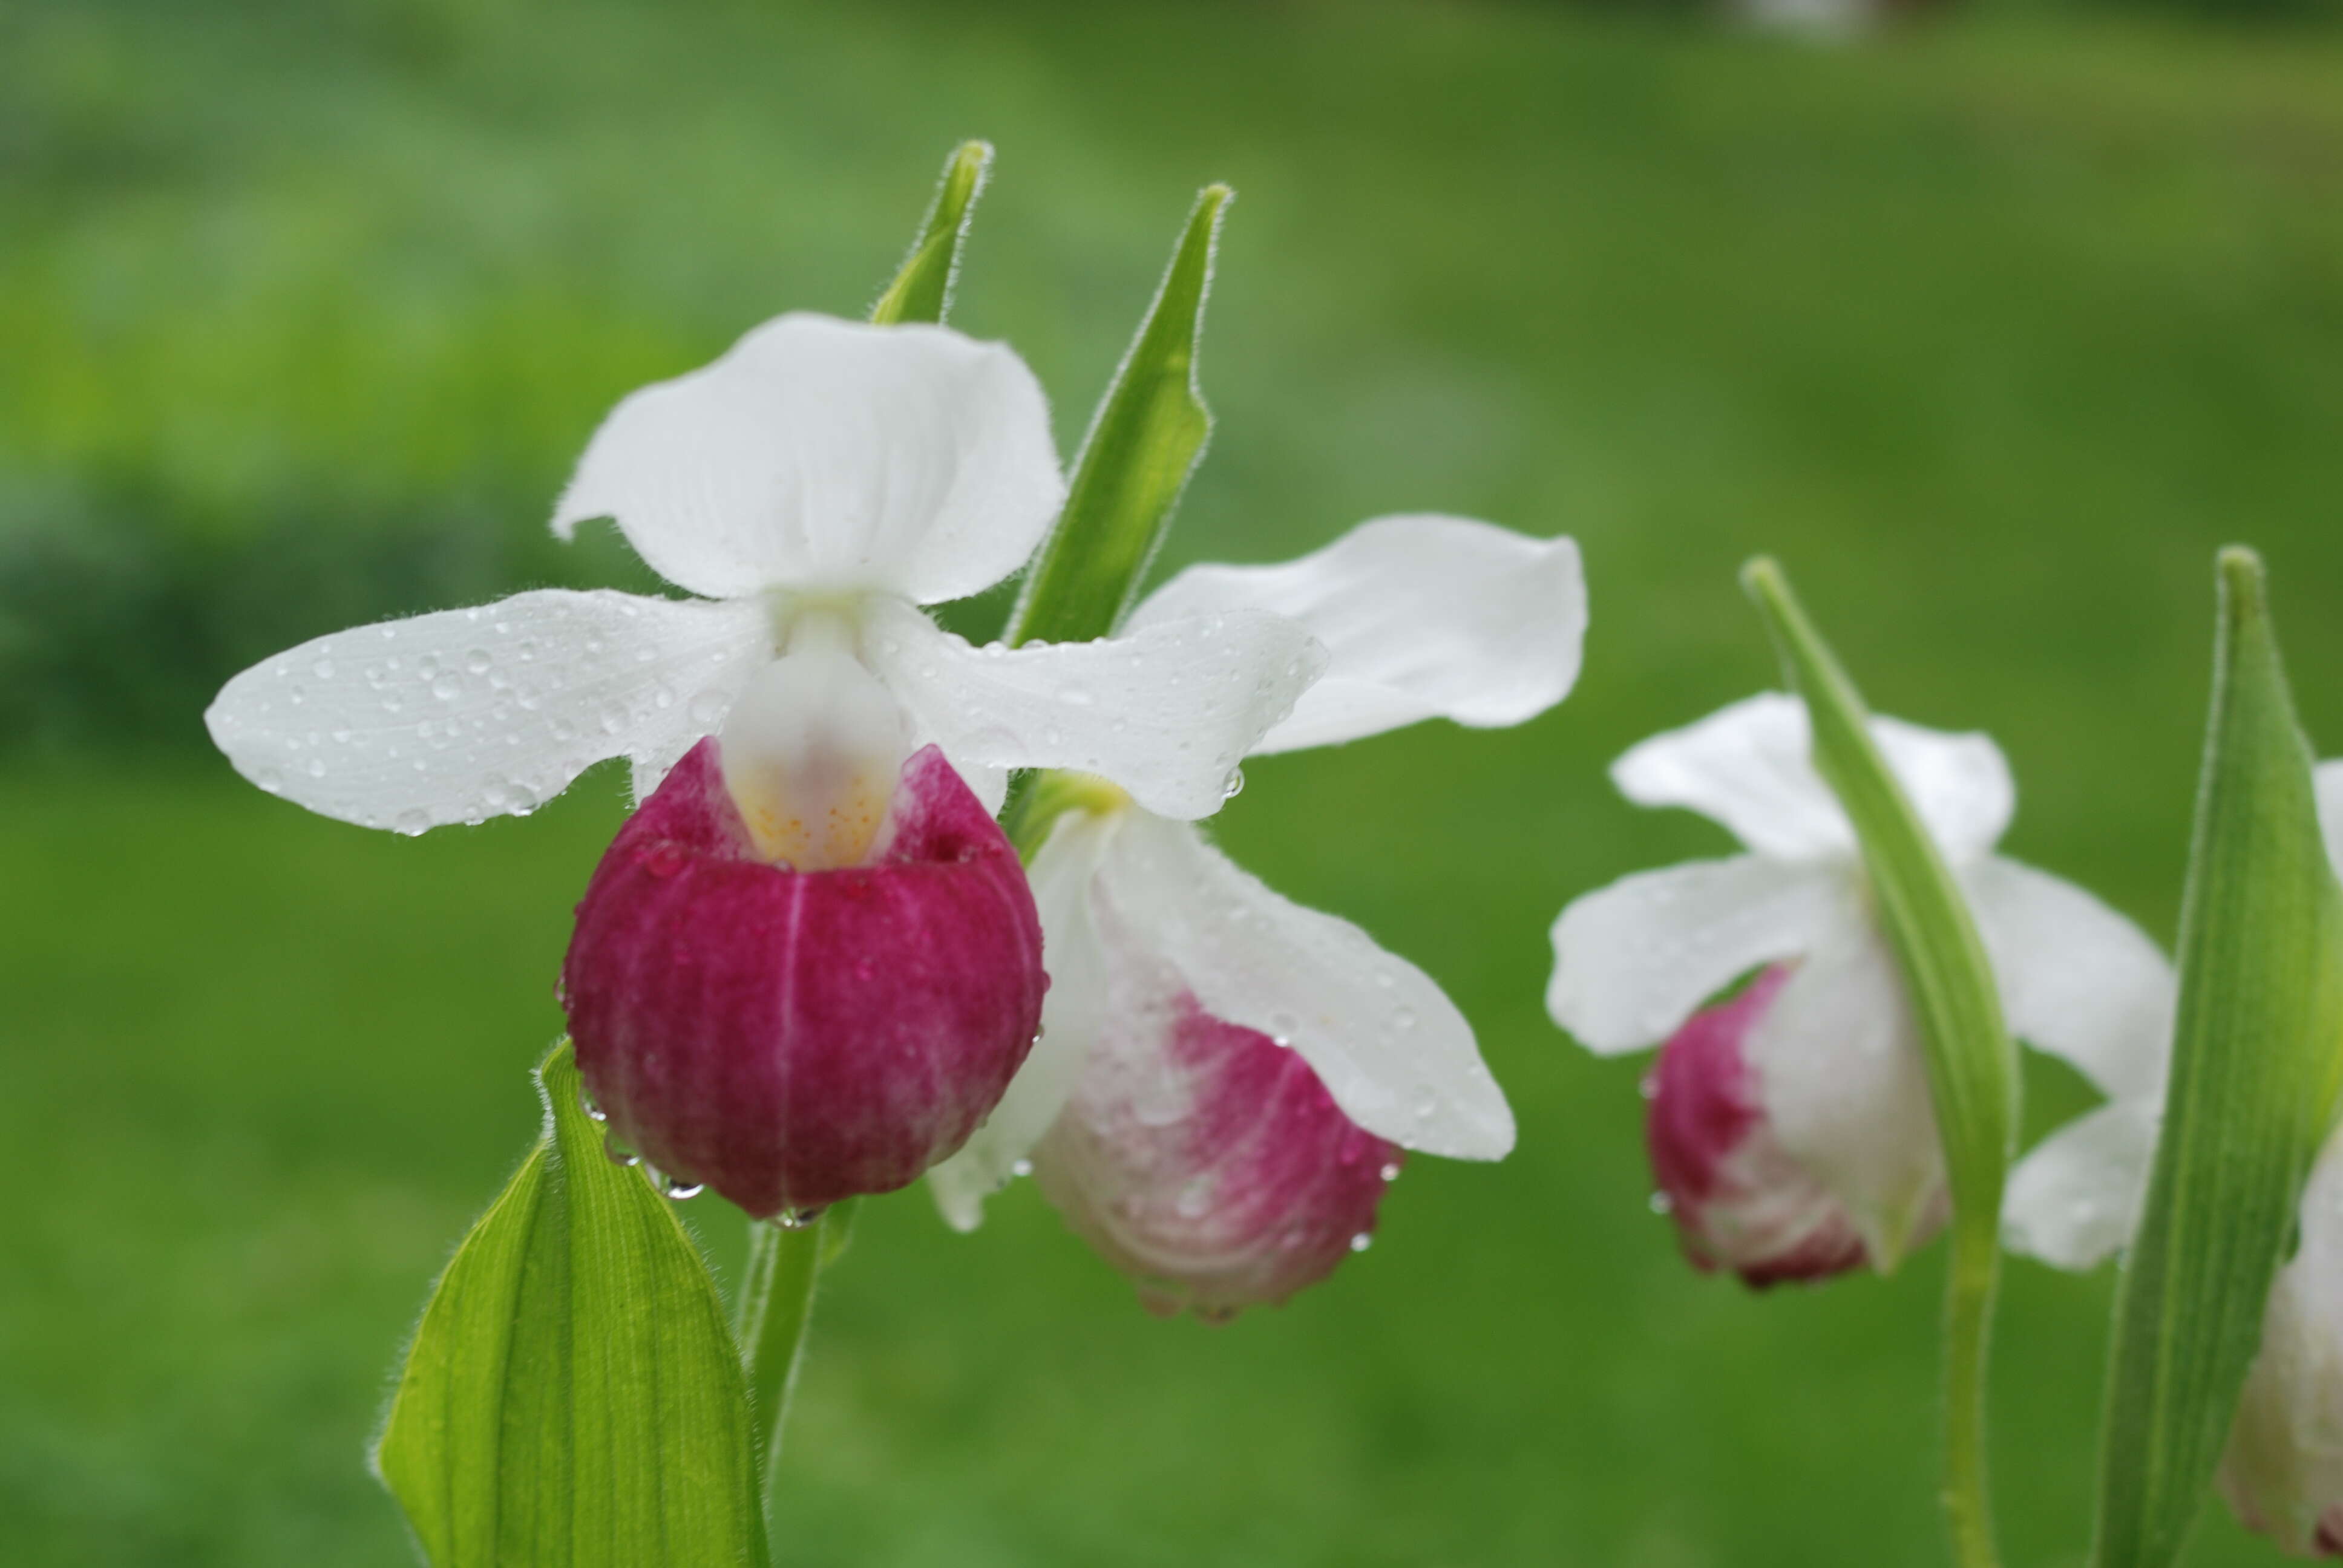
x: 1971, y: 1060
x: 775, y: 1307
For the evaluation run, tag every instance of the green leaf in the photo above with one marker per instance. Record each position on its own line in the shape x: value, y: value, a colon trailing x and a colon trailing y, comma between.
x: 573, y: 1398
x: 922, y: 288
x: 2257, y: 1051
x: 1972, y: 1061
x: 1144, y: 441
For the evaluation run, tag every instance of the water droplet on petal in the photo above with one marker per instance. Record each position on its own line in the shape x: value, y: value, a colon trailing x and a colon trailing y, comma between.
x: 412, y: 823
x: 1402, y: 1019
x: 1661, y: 1204
x: 615, y: 1151
x: 270, y: 779
x: 797, y: 1219
x: 1233, y: 785
x: 317, y: 769
x: 677, y: 1190
x: 323, y: 669
x: 1391, y: 1172
x: 1648, y: 1086
x: 477, y: 661
x: 708, y: 710
x: 586, y: 1104
x: 448, y: 688
x: 1021, y: 1168
x: 1362, y: 1241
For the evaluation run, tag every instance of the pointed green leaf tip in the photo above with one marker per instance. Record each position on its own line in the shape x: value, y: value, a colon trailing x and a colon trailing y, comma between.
x: 1144, y: 441
x: 2258, y: 1045
x: 1972, y: 1061
x: 572, y: 1398
x: 922, y: 288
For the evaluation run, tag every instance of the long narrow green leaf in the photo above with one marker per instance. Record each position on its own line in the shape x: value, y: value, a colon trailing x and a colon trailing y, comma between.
x: 2258, y: 1047
x: 573, y: 1398
x: 1144, y: 441
x: 922, y: 288
x: 1972, y: 1061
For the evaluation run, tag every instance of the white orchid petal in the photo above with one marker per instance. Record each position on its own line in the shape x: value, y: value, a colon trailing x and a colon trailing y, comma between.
x: 2329, y: 779
x: 1749, y: 767
x: 2075, y: 1198
x: 1424, y: 616
x: 830, y: 455
x: 467, y: 714
x: 1635, y: 960
x: 1167, y: 713
x: 1072, y: 1016
x: 1959, y: 784
x: 1385, y: 1041
x: 1845, y: 1085
x: 2078, y: 980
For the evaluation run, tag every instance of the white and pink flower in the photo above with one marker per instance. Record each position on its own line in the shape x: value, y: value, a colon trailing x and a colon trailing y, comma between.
x: 1790, y: 1126
x: 1226, y: 1080
x: 809, y: 966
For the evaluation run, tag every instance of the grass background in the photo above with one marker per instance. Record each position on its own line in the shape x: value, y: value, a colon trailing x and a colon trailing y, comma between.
x: 1992, y: 330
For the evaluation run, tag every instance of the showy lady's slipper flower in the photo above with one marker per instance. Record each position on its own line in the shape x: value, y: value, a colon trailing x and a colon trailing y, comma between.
x: 2283, y: 1472
x: 817, y: 485
x: 1226, y: 1081
x: 1790, y: 1127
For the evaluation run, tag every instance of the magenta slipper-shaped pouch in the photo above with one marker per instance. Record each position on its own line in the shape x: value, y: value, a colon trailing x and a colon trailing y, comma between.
x: 792, y: 1037
x: 1207, y: 1161
x: 1740, y: 1200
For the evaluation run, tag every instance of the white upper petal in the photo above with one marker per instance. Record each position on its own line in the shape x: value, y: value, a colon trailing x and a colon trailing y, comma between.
x: 2077, y: 1195
x: 1749, y: 768
x: 2078, y: 980
x: 1072, y: 1014
x: 1167, y: 713
x: 2328, y: 778
x: 1390, y: 1046
x: 1633, y: 961
x: 832, y: 455
x: 1843, y: 1080
x: 467, y: 714
x: 1423, y: 617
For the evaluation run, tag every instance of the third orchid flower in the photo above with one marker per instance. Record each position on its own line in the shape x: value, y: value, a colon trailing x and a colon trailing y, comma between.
x: 1790, y: 1126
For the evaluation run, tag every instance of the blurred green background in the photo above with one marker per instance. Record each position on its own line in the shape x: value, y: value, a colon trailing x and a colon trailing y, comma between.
x: 1991, y: 328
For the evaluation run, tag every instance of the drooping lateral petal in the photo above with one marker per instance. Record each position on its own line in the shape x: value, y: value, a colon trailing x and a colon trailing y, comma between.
x: 1633, y: 960
x: 2075, y: 1196
x: 1748, y: 766
x: 1390, y: 1048
x: 792, y: 1039
x: 1073, y: 1013
x: 467, y: 714
x: 1845, y: 1086
x: 1167, y: 713
x: 1424, y: 618
x: 830, y: 455
x: 2078, y: 980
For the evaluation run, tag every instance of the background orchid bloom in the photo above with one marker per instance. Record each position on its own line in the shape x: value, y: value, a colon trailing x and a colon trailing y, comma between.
x: 1790, y: 1127
x: 1162, y: 1111
x: 2283, y: 1470
x: 817, y: 484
